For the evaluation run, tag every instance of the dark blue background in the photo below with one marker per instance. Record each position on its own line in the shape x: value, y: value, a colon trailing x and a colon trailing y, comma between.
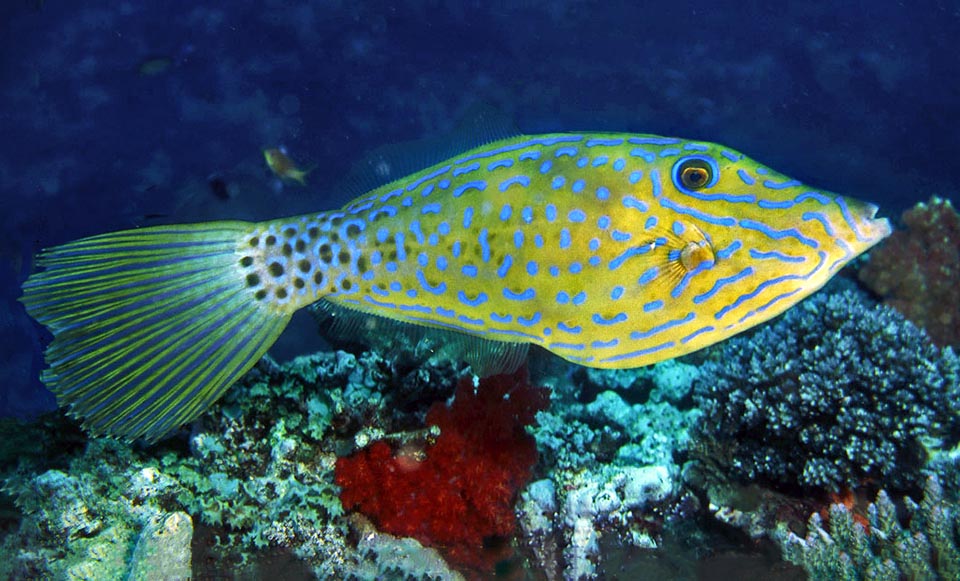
x: 854, y: 96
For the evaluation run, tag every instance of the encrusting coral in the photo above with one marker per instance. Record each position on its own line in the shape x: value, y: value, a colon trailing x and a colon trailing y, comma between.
x: 457, y: 493
x: 917, y: 270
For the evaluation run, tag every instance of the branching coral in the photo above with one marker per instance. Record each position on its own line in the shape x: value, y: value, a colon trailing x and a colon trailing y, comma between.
x: 458, y: 493
x: 928, y: 547
x: 836, y: 391
x: 917, y: 270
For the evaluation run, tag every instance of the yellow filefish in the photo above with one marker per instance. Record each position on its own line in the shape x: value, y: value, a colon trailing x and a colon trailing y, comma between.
x: 283, y: 167
x: 610, y: 250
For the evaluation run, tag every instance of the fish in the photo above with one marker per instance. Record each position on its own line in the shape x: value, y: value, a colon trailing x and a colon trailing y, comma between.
x: 609, y: 250
x: 283, y: 167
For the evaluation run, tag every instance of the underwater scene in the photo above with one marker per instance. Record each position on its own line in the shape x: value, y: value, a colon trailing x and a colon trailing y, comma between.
x: 428, y: 290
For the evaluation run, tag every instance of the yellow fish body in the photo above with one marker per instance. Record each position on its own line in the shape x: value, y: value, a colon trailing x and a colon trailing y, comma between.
x: 610, y: 250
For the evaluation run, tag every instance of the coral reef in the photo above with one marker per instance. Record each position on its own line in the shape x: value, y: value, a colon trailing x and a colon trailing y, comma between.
x: 917, y: 270
x: 837, y: 391
x: 851, y: 547
x: 456, y: 493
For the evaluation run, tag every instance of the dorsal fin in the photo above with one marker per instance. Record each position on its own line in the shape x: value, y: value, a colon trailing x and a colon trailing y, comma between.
x: 480, y: 124
x: 485, y: 357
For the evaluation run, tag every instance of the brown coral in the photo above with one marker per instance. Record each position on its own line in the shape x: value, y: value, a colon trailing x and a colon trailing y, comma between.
x: 917, y: 270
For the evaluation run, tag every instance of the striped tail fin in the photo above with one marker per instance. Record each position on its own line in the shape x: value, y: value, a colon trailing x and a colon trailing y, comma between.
x: 150, y: 326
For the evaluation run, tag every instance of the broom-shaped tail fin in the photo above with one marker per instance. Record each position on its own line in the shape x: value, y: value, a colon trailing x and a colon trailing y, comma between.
x: 151, y: 326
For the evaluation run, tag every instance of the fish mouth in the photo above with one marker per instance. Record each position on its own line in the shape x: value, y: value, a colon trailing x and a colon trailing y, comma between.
x: 869, y: 228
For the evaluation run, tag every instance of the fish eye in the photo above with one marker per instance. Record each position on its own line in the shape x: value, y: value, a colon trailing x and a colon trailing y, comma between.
x: 695, y: 173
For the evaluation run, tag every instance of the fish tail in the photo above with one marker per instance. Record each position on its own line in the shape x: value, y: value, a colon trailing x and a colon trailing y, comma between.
x: 151, y: 326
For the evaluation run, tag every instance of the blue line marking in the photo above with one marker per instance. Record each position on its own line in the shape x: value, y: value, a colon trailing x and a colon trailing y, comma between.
x: 526, y: 214
x: 382, y: 235
x: 484, y: 245
x: 505, y: 266
x: 515, y: 146
x: 538, y: 240
x: 396, y: 287
x: 530, y: 155
x: 824, y: 200
x: 554, y: 271
x: 575, y: 330
x: 557, y: 182
x: 578, y: 186
x: 466, y: 169
x: 603, y: 222
x: 441, y: 263
x: 380, y: 291
x: 670, y: 151
x: 443, y: 184
x: 388, y: 195
x: 771, y: 205
x: 526, y: 295
x: 762, y: 170
x: 649, y: 275
x: 725, y: 253
x: 600, y: 320
x: 500, y: 318
x: 445, y: 312
x: 564, y: 238
x: 422, y: 259
x: 695, y: 147
x: 435, y: 174
x: 823, y: 220
x: 443, y: 228
x: 576, y: 215
x: 600, y: 160
x: 745, y: 177
x: 594, y: 244
x: 631, y: 202
x: 603, y: 141
x: 412, y: 293
x: 653, y: 140
x: 768, y: 283
x: 579, y: 298
x: 470, y: 320
x: 374, y: 301
x: 619, y: 164
x: 469, y: 270
x: 514, y: 333
x: 361, y: 208
x: 776, y: 255
x: 476, y: 302
x: 722, y: 282
x: 505, y: 212
x: 376, y: 257
x: 456, y: 249
x: 398, y: 240
x: 416, y: 231
x: 437, y: 290
x: 636, y: 335
x: 601, y: 344
x: 545, y: 166
x: 730, y: 155
x: 678, y: 228
x: 635, y: 176
x: 575, y: 268
x: 655, y: 180
x: 693, y: 335
x: 467, y: 217
x: 768, y: 304
x: 639, y: 353
x: 582, y: 162
x: 848, y: 218
x: 688, y: 276
x: 781, y: 185
x: 563, y: 297
x: 391, y: 266
x: 778, y: 234
x: 532, y: 268
x: 431, y: 209
x: 518, y: 239
x: 529, y: 321
x: 692, y: 212
x: 500, y: 163
x: 427, y: 190
x: 478, y: 185
x: 652, y: 306
x: 573, y: 346
x: 643, y: 153
x: 628, y: 253
x: 603, y: 193
x: 568, y: 150
x: 520, y: 180
x: 723, y: 197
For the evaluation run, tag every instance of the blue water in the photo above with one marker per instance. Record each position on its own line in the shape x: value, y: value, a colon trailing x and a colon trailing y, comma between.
x: 119, y: 114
